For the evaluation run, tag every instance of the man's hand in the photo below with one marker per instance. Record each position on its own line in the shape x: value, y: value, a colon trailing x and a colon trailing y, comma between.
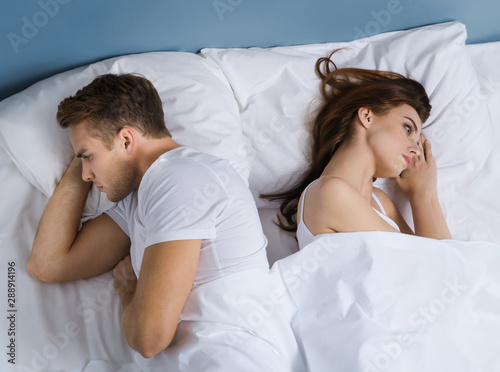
x: 125, y: 280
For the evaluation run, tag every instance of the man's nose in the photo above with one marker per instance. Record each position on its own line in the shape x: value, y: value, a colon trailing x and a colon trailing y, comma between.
x: 87, y: 174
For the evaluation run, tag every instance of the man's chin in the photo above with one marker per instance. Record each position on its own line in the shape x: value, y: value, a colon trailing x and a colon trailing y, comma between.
x: 115, y: 198
x: 112, y: 198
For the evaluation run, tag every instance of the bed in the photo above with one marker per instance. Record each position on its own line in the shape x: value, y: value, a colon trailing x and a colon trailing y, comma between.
x: 366, y: 302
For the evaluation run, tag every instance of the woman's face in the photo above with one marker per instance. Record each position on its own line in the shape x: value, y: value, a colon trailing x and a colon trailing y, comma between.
x: 394, y: 139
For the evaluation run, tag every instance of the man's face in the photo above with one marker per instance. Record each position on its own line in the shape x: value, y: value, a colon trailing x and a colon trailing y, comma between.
x: 108, y: 169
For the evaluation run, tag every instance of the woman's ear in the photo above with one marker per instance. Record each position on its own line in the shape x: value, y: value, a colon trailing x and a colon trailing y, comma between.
x: 365, y: 116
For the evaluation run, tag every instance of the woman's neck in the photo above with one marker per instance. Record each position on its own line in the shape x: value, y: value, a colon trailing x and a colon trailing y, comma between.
x: 355, y: 164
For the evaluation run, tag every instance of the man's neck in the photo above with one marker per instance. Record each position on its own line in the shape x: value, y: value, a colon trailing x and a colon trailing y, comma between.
x: 151, y: 149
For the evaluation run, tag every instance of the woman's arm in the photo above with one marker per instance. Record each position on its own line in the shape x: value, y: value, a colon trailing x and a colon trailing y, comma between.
x: 419, y: 184
x: 443, y: 225
x: 428, y: 218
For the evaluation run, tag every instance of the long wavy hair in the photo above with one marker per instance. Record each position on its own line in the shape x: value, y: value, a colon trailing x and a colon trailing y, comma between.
x: 344, y: 91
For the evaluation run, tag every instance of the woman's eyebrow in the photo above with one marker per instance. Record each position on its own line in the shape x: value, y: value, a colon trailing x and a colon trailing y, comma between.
x: 414, y: 125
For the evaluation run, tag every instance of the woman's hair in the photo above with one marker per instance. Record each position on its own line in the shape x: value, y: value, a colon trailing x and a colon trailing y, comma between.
x: 344, y: 91
x: 112, y: 102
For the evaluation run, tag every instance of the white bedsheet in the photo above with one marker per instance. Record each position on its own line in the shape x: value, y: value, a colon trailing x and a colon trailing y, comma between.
x: 57, y: 327
x: 392, y: 302
x: 371, y: 301
x: 76, y: 326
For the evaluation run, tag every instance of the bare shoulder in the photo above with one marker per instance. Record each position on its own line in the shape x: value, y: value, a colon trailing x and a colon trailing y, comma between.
x: 332, y: 199
x: 339, y: 207
x: 334, y: 189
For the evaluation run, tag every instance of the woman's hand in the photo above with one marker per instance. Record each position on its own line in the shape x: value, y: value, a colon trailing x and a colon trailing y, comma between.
x: 419, y: 180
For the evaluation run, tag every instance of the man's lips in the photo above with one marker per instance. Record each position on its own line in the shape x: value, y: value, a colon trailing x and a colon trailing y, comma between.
x: 408, y: 160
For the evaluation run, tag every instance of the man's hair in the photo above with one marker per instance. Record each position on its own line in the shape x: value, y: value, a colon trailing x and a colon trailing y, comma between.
x: 112, y: 102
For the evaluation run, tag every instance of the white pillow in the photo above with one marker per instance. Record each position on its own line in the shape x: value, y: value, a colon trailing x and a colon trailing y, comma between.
x: 200, y: 111
x: 277, y: 90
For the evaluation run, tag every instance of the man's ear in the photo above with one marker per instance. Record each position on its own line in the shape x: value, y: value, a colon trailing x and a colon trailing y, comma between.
x: 365, y: 116
x: 126, y: 139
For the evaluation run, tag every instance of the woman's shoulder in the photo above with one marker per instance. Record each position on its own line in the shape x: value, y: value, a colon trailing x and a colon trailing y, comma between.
x: 333, y: 192
x: 327, y: 200
x: 340, y: 207
x: 332, y: 186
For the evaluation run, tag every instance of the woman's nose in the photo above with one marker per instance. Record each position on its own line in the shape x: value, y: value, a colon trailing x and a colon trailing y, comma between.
x: 415, y: 148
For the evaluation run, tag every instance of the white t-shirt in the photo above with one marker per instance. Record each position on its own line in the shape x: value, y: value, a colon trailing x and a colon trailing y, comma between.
x: 186, y: 194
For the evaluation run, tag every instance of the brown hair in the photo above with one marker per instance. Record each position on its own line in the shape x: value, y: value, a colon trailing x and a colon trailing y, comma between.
x: 112, y: 102
x: 344, y: 92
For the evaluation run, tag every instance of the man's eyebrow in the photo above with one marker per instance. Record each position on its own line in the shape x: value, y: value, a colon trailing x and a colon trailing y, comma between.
x: 81, y: 153
x: 414, y: 125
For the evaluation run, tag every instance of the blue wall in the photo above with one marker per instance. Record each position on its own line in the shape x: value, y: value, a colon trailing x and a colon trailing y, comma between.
x: 39, y: 38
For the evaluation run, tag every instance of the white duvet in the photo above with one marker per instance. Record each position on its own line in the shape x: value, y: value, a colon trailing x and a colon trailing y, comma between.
x: 368, y: 302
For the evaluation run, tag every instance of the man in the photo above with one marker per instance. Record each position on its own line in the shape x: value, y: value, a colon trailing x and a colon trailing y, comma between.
x: 183, y: 218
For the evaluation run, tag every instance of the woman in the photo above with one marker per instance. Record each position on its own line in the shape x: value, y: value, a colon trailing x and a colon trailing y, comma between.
x: 367, y: 128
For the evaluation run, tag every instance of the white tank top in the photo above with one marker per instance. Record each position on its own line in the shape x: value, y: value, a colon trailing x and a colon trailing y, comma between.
x: 304, y: 236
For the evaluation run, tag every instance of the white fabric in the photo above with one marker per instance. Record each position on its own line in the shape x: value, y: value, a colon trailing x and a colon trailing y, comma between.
x: 223, y: 330
x: 199, y: 107
x: 365, y: 302
x: 382, y: 212
x: 304, y: 235
x: 59, y: 327
x: 471, y: 200
x: 381, y: 301
x: 279, y: 91
x: 186, y: 194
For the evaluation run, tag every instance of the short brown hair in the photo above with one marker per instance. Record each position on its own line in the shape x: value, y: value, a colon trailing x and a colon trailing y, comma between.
x: 112, y: 102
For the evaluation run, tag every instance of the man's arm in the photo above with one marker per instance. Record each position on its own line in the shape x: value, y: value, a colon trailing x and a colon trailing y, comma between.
x: 61, y: 253
x: 152, y: 304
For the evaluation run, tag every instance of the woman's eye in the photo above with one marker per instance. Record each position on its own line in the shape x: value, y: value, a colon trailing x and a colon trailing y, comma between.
x: 408, y: 129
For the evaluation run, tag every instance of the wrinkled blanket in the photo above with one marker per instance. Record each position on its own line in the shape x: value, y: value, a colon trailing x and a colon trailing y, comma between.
x: 368, y: 302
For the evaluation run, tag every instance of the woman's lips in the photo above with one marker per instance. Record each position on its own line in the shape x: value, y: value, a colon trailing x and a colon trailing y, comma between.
x: 408, y: 160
